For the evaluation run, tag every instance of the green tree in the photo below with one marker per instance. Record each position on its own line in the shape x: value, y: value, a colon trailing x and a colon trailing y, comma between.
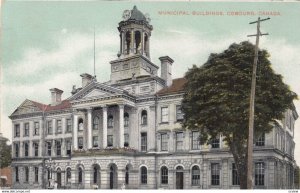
x: 5, y: 153
x: 217, y: 96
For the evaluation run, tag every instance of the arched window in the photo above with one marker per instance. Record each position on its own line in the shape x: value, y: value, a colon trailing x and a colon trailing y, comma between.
x: 144, y: 117
x: 127, y: 175
x: 127, y: 41
x: 80, y: 124
x: 58, y: 177
x: 143, y: 175
x: 79, y: 175
x: 164, y: 175
x: 96, y: 123
x: 126, y: 119
x: 137, y: 41
x: 68, y: 180
x: 110, y: 121
x: 26, y: 174
x: 195, y: 175
x: 96, y: 176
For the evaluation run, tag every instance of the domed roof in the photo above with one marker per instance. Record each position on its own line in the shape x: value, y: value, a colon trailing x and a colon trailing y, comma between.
x: 137, y: 15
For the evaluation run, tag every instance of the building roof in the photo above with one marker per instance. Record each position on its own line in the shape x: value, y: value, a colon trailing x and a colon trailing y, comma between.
x: 176, y: 86
x: 65, y: 104
x: 137, y: 15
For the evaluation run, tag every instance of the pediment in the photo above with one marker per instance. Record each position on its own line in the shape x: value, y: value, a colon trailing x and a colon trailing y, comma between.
x: 96, y: 91
x: 26, y: 107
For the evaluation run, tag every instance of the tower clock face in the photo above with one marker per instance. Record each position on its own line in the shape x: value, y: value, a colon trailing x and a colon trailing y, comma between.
x: 126, y: 15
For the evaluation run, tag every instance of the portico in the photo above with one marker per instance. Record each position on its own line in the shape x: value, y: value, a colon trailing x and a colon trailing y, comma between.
x: 111, y: 125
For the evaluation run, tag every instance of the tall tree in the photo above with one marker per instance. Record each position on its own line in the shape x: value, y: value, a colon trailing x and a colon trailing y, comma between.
x: 217, y: 96
x: 5, y: 153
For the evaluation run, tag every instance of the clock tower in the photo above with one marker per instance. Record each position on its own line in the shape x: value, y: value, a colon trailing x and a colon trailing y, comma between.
x: 134, y: 56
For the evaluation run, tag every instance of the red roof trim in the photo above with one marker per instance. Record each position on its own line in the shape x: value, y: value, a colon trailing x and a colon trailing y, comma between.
x: 177, y: 86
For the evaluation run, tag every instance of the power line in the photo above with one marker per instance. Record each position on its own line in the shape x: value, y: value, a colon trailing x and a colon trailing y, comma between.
x: 251, y: 111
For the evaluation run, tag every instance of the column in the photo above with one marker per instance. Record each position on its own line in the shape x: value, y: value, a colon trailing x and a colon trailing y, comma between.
x: 75, y: 132
x: 121, y: 133
x: 122, y: 42
x: 142, y: 42
x: 132, y: 41
x: 63, y: 148
x: 148, y: 47
x: 104, y: 139
x: 89, y: 131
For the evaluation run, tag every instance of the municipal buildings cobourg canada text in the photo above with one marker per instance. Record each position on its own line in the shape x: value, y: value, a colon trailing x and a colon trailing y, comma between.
x: 127, y: 132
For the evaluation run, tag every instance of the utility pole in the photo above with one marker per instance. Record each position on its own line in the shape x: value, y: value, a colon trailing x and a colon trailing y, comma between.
x: 252, y: 99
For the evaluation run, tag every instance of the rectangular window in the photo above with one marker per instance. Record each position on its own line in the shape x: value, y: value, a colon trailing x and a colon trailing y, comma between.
x: 26, y: 149
x: 259, y: 174
x: 179, y: 113
x: 235, y: 178
x: 69, y: 126
x: 58, y: 148
x: 68, y: 146
x: 17, y: 150
x: 36, y: 128
x: 179, y: 141
x: 36, y: 174
x: 195, y: 140
x: 95, y: 141
x: 49, y: 127
x: 17, y: 130
x: 110, y: 141
x: 36, y: 149
x: 215, y: 174
x: 164, y: 142
x: 164, y: 114
x: 126, y: 139
x: 215, y: 143
x: 17, y: 173
x: 260, y: 140
x: 49, y: 148
x: 58, y: 126
x: 26, y: 129
x: 80, y: 142
x: 143, y: 141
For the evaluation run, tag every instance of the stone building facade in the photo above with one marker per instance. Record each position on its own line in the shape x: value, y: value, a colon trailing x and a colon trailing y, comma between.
x: 127, y: 132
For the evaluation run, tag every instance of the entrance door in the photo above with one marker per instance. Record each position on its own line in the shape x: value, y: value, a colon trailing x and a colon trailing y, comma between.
x: 179, y: 180
x: 111, y: 180
x: 58, y: 180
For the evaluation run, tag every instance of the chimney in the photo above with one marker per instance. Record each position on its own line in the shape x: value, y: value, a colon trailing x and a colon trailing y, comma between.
x: 86, y: 79
x: 166, y: 69
x: 55, y: 96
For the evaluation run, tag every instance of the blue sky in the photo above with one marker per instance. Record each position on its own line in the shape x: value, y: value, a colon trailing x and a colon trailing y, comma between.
x: 46, y: 44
